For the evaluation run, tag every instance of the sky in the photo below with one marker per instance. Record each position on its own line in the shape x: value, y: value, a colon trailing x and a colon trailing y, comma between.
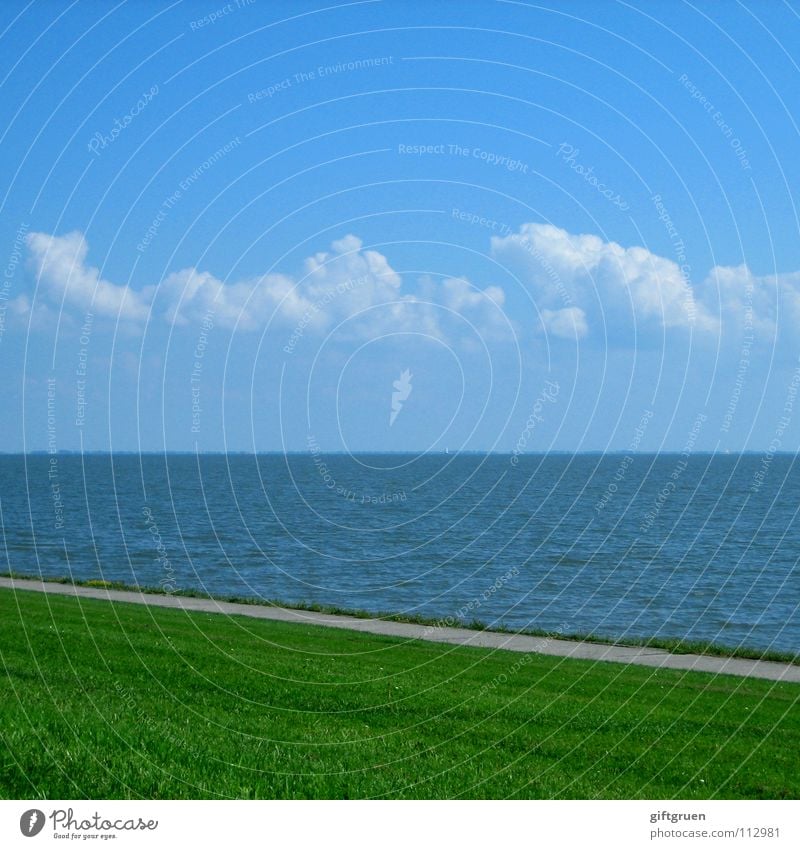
x: 399, y: 226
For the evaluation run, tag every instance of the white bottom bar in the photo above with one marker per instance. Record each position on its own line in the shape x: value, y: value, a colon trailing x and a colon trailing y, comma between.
x: 402, y: 825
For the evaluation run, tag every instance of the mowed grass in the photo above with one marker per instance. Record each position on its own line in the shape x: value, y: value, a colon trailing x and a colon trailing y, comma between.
x: 103, y: 700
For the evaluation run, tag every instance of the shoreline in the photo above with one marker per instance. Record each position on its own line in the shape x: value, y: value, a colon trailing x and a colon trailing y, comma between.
x: 673, y: 645
x: 397, y: 626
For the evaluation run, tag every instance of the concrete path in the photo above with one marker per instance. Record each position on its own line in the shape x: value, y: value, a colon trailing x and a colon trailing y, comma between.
x: 456, y: 636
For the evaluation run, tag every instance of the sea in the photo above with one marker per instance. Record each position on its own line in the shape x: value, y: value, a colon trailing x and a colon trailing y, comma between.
x: 700, y: 547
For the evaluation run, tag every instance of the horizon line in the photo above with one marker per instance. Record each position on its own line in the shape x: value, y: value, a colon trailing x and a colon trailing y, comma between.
x: 39, y: 452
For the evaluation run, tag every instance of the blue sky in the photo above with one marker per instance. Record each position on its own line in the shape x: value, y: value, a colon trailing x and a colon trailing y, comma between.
x: 235, y: 226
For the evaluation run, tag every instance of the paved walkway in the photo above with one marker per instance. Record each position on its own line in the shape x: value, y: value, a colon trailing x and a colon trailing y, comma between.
x: 457, y: 636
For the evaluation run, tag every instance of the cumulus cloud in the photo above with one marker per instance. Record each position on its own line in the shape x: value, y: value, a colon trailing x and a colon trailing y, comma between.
x: 582, y: 272
x: 579, y: 283
x: 568, y: 323
x: 344, y: 284
x: 60, y: 264
x: 460, y: 294
x: 751, y: 302
x: 187, y: 295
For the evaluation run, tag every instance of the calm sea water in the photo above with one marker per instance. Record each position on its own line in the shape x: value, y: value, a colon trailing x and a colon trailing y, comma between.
x: 702, y: 548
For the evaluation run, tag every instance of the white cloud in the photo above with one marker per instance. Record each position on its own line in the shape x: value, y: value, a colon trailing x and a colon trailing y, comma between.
x: 579, y: 282
x: 750, y: 302
x: 568, y: 323
x: 189, y: 294
x: 344, y: 283
x: 460, y: 294
x: 60, y: 264
x: 583, y: 270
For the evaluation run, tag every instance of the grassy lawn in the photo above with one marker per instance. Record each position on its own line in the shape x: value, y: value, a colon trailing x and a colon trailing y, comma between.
x: 116, y: 700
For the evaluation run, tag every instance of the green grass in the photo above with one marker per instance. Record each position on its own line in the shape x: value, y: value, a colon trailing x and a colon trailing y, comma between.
x: 675, y: 645
x: 104, y: 700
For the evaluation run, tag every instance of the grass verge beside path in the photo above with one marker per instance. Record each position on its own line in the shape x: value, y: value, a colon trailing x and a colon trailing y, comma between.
x: 104, y: 700
x: 673, y: 645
